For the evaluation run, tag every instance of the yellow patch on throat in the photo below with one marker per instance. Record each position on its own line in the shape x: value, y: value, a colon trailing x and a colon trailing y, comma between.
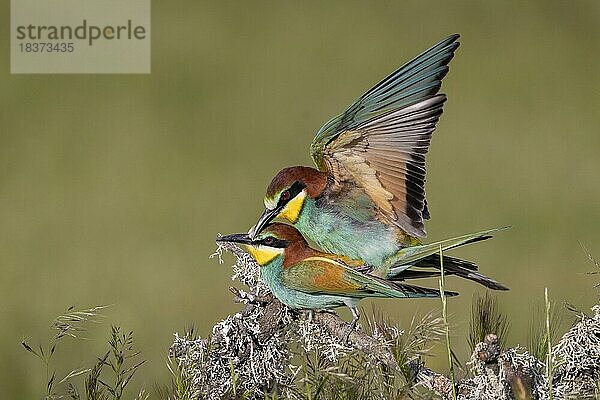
x: 263, y: 254
x: 292, y: 209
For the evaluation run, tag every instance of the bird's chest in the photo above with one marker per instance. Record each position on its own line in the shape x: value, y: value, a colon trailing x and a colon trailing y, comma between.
x: 347, y: 232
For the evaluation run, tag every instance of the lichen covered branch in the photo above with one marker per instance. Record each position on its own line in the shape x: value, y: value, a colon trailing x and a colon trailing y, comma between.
x: 259, y: 350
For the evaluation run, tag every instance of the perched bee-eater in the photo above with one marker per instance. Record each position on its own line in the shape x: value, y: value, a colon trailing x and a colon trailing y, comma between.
x: 367, y: 200
x: 304, y: 278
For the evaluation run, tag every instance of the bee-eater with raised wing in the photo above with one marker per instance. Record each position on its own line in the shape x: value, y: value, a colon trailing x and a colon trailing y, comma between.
x: 304, y: 278
x: 366, y: 199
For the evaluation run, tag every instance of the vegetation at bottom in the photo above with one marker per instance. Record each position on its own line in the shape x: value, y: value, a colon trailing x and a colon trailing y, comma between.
x: 352, y: 375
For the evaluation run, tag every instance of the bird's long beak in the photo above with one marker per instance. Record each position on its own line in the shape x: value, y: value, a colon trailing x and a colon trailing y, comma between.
x: 266, y: 217
x: 242, y: 238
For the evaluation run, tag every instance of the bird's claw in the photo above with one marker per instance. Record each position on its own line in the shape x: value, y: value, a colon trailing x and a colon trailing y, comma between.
x: 351, y: 327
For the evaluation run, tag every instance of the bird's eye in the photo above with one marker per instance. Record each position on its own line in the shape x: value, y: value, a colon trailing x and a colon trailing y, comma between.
x: 285, y: 196
x: 269, y: 240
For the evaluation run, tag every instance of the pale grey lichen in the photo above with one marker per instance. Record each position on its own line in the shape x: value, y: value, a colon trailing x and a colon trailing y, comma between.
x: 236, y: 358
x: 315, y: 337
x: 514, y: 371
x: 520, y: 372
x: 577, y: 361
x: 239, y: 357
x: 578, y: 358
x: 245, y: 269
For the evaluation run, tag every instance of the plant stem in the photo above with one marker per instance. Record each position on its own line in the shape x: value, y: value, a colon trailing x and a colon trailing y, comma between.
x: 549, y: 371
x: 446, y: 327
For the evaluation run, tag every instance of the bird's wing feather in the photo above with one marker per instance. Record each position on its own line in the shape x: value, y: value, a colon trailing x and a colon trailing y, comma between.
x: 321, y: 275
x: 415, y: 80
x: 385, y: 157
x: 379, y: 143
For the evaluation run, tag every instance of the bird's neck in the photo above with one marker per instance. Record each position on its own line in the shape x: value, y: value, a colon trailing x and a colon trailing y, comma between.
x: 298, y: 251
x: 315, y: 180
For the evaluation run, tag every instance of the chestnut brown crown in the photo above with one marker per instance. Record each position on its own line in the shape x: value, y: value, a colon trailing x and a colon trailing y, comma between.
x: 314, y: 181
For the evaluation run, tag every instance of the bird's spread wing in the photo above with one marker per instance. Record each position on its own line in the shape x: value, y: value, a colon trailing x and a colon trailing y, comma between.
x: 379, y: 143
x: 321, y: 275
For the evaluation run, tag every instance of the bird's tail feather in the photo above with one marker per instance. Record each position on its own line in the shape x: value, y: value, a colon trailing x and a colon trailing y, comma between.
x: 449, y: 269
x: 414, y: 262
x: 404, y: 290
x: 479, y: 278
x: 418, y: 291
x: 433, y: 261
x: 409, y: 255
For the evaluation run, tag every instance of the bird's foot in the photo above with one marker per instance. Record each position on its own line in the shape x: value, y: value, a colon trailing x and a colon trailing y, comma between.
x: 349, y: 329
x: 352, y: 325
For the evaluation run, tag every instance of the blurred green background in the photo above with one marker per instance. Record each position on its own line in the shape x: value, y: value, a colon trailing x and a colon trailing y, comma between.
x: 112, y: 187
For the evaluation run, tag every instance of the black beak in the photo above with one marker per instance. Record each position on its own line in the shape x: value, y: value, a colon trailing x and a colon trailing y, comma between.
x: 266, y: 217
x: 235, y: 238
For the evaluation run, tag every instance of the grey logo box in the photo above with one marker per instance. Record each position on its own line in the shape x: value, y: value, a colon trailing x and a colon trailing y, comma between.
x: 80, y: 36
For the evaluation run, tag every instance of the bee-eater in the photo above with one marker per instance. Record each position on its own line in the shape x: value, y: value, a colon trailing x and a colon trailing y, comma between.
x: 367, y: 200
x: 304, y: 278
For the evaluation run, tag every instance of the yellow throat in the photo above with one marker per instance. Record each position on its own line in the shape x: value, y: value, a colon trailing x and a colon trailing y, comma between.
x: 263, y: 254
x: 293, y: 208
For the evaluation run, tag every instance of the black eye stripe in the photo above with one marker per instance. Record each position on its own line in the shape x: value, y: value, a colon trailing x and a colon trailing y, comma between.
x: 296, y: 188
x: 273, y: 243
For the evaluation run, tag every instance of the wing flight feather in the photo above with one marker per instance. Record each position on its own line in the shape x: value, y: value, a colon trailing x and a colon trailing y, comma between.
x: 379, y: 143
